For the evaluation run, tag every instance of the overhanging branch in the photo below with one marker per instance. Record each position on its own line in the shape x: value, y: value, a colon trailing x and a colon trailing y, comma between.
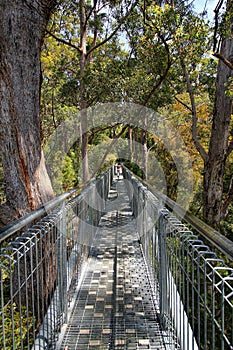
x: 183, y: 104
x: 109, y: 148
x: 223, y: 59
x: 68, y: 43
x: 163, y: 76
x: 114, y: 31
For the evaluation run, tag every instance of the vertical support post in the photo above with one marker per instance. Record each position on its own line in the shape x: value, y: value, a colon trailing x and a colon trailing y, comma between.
x: 147, y: 230
x: 62, y: 265
x: 163, y: 270
x: 91, y: 216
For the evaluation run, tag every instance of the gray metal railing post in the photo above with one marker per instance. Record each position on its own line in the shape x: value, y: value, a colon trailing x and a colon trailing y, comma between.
x: 62, y: 264
x: 195, y: 290
x: 163, y: 270
x: 39, y: 269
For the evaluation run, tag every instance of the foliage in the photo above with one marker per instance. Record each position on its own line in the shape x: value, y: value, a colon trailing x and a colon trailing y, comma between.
x: 229, y: 88
x: 57, y: 102
x: 142, y: 64
x: 134, y: 168
x: 226, y: 226
x: 181, y: 117
x: 68, y: 173
x: 22, y: 324
x: 109, y: 161
x: 63, y: 170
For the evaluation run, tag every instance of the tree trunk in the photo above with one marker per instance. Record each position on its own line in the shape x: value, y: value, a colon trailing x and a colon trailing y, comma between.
x: 130, y: 143
x: 135, y: 146
x: 144, y: 154
x: 84, y: 145
x: 22, y: 28
x: 83, y: 103
x: 217, y: 154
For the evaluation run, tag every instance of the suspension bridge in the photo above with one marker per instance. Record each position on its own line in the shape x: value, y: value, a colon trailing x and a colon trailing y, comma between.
x: 114, y: 267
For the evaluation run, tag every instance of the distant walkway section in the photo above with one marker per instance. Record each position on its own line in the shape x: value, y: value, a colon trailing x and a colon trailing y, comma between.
x: 114, y: 308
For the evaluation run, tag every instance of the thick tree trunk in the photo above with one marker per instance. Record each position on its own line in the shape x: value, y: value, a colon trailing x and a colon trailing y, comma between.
x: 27, y: 183
x: 215, y: 163
x: 22, y: 28
x: 83, y: 103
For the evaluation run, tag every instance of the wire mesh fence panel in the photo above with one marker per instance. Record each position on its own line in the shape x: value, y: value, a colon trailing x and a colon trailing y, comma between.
x: 193, y: 285
x: 40, y: 269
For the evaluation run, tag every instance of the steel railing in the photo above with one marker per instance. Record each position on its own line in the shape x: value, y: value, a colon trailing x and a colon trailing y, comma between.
x: 40, y: 270
x: 41, y: 267
x: 193, y: 285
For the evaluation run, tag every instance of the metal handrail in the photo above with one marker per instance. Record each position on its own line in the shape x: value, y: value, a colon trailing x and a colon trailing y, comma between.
x: 41, y: 267
x: 7, y: 231
x: 214, y: 237
x: 219, y: 241
x: 192, y: 284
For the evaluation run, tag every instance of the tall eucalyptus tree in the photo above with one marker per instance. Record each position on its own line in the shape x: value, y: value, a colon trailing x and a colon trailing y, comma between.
x: 22, y: 28
x: 96, y: 23
x: 220, y: 146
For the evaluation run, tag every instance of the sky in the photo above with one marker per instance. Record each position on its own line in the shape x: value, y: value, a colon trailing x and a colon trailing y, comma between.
x: 209, y: 5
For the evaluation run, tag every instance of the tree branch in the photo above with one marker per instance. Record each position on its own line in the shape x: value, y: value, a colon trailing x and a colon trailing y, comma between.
x: 163, y: 76
x: 216, y: 11
x: 183, y: 104
x: 199, y: 147
x: 97, y: 130
x: 91, y: 11
x: 115, y: 30
x: 69, y: 43
x: 154, y: 145
x: 223, y: 59
x: 109, y: 148
x: 155, y: 87
x: 93, y: 44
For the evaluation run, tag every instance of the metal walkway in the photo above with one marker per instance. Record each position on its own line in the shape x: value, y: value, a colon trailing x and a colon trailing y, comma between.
x: 114, y: 308
x: 109, y: 268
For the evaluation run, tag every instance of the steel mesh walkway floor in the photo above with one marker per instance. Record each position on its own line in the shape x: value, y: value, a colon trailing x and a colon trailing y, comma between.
x: 114, y: 307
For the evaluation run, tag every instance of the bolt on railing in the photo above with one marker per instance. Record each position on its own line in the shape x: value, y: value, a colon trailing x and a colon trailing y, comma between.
x: 193, y: 285
x: 40, y: 269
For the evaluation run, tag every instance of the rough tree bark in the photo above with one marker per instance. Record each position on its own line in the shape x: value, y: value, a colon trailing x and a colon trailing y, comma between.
x: 218, y: 148
x: 22, y: 28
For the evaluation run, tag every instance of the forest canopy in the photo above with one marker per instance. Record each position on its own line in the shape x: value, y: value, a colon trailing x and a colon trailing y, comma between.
x: 162, y: 56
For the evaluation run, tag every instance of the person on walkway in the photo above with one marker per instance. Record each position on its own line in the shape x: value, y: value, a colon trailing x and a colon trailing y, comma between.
x: 118, y: 170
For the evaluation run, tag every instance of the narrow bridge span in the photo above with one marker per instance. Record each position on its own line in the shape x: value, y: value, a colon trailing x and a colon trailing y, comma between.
x: 112, y: 268
x: 115, y: 307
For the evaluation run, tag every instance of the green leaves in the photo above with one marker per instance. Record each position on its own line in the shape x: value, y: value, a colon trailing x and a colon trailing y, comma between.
x: 21, y: 327
x: 229, y: 87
